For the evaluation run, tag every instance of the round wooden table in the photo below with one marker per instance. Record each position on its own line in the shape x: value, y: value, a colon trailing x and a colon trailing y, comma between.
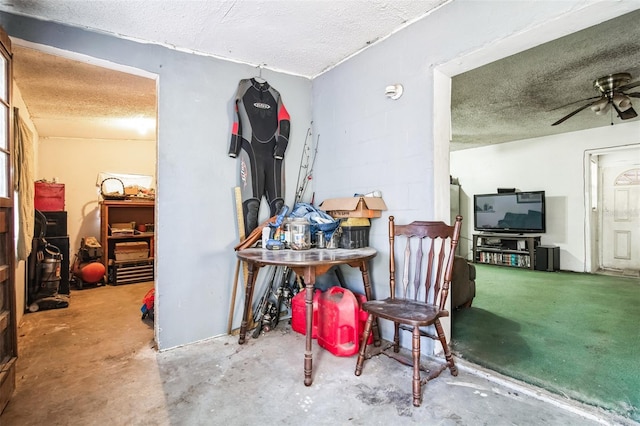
x: 307, y: 264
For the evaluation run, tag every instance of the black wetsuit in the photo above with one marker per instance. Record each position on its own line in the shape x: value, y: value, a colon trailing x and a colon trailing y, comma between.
x: 259, y: 139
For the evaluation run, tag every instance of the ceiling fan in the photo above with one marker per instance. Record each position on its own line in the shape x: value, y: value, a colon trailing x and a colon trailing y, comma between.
x: 611, y: 88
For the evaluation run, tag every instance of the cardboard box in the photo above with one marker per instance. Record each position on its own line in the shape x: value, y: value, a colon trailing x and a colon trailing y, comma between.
x: 134, y: 250
x: 132, y: 246
x: 122, y: 229
x: 123, y: 225
x: 132, y: 255
x: 354, y: 207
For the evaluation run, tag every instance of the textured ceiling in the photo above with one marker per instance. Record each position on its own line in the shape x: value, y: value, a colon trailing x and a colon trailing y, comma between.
x: 519, y: 97
x: 294, y: 36
x: 101, y: 103
x: 297, y: 37
x: 515, y: 98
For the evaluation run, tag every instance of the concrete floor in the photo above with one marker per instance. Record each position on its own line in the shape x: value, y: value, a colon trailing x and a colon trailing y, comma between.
x: 94, y: 363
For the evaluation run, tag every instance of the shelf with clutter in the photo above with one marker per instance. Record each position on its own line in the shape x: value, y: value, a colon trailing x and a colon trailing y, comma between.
x: 127, y: 235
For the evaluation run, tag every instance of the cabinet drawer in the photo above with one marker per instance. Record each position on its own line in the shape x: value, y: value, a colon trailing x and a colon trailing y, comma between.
x: 132, y: 272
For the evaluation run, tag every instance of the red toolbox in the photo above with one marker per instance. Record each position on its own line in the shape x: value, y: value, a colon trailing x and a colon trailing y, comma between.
x: 49, y: 197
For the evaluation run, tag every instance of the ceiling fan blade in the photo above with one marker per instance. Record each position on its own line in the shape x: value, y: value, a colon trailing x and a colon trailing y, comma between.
x: 631, y: 111
x: 628, y: 86
x: 633, y: 95
x: 575, y: 102
x: 566, y: 117
x: 625, y: 115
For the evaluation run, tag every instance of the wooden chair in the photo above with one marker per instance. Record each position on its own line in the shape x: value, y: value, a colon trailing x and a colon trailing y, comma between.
x: 420, y: 301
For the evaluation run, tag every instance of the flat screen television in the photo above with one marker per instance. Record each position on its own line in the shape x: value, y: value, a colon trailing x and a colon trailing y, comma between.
x: 512, y: 212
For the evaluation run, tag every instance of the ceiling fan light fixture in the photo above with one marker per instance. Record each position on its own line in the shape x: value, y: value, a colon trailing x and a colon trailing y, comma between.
x: 605, y: 110
x: 612, y: 94
x: 622, y: 101
x: 612, y: 81
x: 601, y: 107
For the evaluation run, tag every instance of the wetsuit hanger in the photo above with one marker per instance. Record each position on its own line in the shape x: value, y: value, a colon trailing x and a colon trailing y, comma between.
x: 259, y: 78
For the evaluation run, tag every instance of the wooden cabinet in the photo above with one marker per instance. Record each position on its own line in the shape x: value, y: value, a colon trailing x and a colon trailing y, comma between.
x: 505, y: 250
x: 114, y: 212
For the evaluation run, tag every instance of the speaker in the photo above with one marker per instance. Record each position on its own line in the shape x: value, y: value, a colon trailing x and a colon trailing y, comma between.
x: 56, y: 224
x: 547, y: 258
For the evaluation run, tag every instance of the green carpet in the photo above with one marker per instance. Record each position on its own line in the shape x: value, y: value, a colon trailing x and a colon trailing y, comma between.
x: 574, y: 334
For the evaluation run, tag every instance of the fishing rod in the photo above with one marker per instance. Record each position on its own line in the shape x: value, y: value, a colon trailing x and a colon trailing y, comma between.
x: 268, y: 311
x: 307, y: 161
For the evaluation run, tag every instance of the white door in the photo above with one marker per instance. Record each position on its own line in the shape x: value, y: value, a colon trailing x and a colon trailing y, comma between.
x: 620, y: 212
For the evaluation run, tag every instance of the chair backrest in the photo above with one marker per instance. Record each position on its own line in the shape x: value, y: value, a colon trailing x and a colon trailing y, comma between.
x: 427, y: 259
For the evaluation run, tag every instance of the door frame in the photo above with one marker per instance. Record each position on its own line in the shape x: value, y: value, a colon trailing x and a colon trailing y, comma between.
x: 593, y: 197
x: 8, y: 309
x: 103, y: 63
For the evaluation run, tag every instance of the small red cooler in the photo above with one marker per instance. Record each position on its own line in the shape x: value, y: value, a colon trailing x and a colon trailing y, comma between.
x: 299, y: 313
x: 49, y: 197
x: 338, y: 321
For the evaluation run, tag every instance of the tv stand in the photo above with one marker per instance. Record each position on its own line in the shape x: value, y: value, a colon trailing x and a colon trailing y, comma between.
x: 515, y: 250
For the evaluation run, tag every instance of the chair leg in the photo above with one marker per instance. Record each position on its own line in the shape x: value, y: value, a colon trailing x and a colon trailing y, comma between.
x: 396, y: 337
x: 363, y: 344
x: 445, y: 347
x: 415, y: 352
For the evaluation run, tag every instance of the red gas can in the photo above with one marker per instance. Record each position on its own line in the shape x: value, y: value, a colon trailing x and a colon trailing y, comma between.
x: 338, y: 321
x: 299, y: 313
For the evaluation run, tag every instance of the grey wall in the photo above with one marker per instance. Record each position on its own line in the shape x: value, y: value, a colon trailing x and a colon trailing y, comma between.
x: 196, y: 223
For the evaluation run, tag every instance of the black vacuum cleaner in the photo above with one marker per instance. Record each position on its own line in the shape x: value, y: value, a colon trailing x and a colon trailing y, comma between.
x: 45, y: 271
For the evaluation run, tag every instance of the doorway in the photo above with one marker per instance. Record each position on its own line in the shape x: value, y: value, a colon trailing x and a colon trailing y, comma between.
x: 615, y: 202
x: 505, y: 324
x: 88, y: 116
